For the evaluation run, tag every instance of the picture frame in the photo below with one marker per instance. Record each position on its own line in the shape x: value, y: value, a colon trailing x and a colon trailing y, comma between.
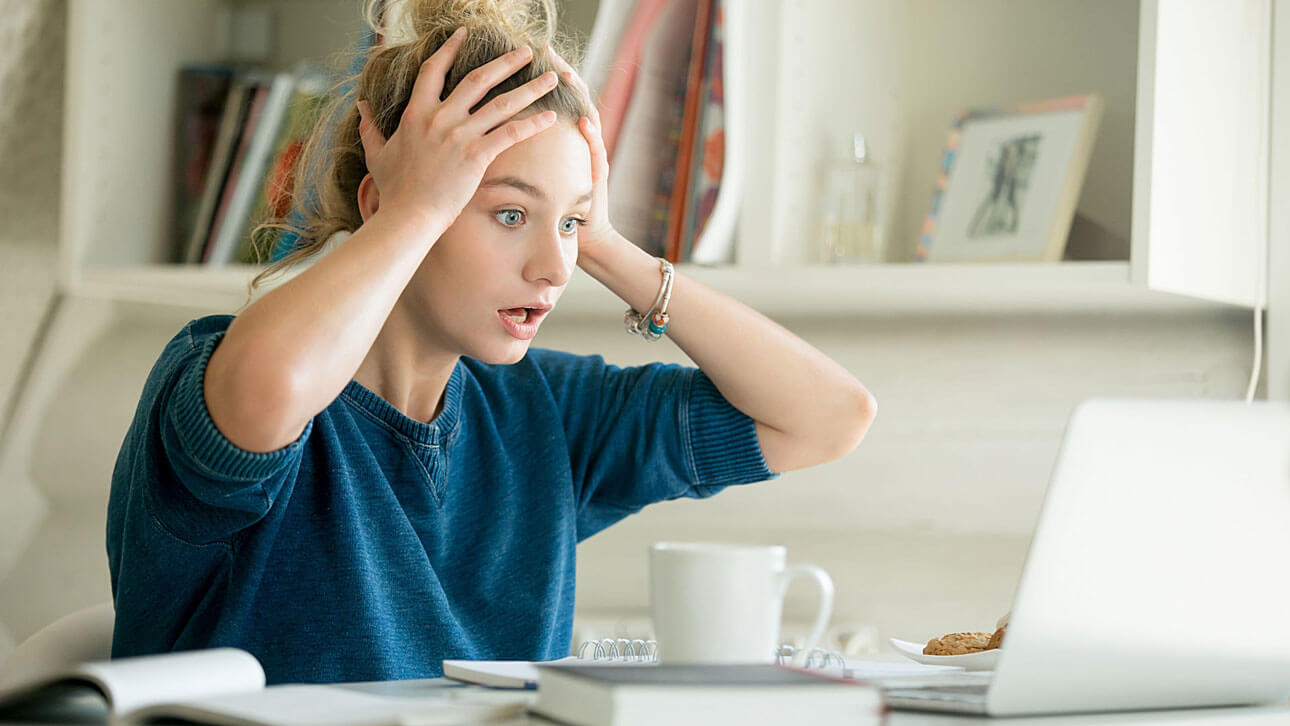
x: 1009, y: 181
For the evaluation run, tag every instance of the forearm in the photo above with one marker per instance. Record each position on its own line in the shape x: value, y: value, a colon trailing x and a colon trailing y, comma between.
x: 290, y: 353
x: 809, y: 409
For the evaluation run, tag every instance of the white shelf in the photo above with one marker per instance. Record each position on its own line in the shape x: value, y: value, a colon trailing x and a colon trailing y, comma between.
x: 779, y: 292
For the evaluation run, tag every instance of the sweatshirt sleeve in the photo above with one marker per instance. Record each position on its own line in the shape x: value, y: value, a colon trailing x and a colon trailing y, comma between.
x: 197, y: 483
x: 644, y: 434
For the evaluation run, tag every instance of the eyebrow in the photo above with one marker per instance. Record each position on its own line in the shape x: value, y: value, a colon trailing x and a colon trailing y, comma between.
x: 523, y: 186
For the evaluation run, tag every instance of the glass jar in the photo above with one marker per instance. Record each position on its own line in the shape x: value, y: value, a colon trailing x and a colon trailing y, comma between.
x: 853, y: 230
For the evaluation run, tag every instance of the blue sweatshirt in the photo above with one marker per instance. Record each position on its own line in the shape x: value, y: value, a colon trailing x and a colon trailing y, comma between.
x: 375, y: 546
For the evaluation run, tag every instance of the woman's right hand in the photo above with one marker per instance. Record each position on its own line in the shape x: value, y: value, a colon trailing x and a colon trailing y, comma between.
x: 434, y: 161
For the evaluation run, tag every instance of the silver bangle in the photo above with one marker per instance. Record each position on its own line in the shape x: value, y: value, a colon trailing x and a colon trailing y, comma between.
x: 651, y: 325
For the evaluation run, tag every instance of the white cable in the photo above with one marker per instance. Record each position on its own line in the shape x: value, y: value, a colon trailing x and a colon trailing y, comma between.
x: 1258, y: 353
x: 1261, y: 281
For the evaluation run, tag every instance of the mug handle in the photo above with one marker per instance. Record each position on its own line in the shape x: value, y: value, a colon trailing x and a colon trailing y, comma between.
x: 825, y: 585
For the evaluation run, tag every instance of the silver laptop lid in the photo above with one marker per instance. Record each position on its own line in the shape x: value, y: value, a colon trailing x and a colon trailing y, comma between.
x: 1159, y: 573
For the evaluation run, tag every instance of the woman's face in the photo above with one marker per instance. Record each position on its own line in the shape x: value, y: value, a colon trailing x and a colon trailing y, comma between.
x: 512, y: 249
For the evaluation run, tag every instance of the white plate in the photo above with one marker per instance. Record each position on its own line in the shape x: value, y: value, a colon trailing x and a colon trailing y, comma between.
x: 982, y: 661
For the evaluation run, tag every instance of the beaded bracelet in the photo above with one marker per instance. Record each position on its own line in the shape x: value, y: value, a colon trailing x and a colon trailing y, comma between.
x: 658, y: 320
x: 653, y: 324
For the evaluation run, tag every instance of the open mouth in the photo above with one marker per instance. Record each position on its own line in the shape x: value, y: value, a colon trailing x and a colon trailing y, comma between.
x: 522, y: 323
x: 519, y: 315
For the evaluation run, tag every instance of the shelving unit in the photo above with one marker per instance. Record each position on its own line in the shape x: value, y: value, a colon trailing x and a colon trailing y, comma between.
x: 779, y: 292
x: 123, y: 57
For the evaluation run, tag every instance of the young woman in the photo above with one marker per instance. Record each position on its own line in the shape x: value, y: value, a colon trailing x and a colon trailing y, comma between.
x: 368, y: 470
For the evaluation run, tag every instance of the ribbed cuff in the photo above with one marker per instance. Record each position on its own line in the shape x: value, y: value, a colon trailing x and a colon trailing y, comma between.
x: 723, y: 443
x: 210, y: 449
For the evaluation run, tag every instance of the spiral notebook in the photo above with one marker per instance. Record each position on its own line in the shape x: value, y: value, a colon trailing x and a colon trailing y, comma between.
x: 609, y: 652
x: 524, y: 674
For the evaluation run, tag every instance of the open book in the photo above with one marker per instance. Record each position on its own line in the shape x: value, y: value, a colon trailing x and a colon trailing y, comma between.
x: 226, y: 686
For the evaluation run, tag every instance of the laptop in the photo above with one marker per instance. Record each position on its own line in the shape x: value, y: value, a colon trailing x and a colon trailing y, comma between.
x: 1158, y: 575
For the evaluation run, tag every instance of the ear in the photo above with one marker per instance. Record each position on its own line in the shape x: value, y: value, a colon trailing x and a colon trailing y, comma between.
x: 369, y: 197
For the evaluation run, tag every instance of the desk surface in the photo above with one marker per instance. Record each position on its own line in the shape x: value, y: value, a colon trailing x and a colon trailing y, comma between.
x: 1247, y: 716
x: 93, y: 711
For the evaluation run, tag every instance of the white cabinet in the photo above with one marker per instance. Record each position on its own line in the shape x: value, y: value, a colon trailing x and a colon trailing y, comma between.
x: 1201, y: 175
x: 813, y: 70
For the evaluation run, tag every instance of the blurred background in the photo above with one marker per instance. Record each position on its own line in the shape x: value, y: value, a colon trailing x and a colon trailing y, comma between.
x: 976, y: 366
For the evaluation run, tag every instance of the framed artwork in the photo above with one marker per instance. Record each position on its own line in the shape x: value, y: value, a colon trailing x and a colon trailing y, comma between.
x: 1009, y: 182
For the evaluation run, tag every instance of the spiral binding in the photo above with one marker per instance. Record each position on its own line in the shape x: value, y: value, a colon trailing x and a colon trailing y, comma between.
x: 814, y: 657
x: 623, y: 649
x: 646, y: 651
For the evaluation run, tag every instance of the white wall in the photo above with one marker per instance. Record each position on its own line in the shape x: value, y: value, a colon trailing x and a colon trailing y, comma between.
x: 926, y: 524
x: 31, y: 77
x: 31, y: 70
x: 899, y: 72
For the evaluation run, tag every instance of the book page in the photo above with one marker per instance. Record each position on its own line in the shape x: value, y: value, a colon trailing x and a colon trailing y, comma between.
x: 55, y: 651
x: 133, y: 683
x: 346, y: 705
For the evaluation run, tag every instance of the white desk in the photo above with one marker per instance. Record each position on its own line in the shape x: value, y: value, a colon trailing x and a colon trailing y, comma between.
x: 1246, y: 716
x: 1278, y: 715
x: 1251, y: 716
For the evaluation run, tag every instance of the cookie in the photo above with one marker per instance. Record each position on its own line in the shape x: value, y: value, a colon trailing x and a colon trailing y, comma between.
x: 1003, y: 620
x: 957, y: 644
x: 996, y: 640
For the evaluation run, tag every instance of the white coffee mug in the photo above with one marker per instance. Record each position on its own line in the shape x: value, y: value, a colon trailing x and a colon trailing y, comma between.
x: 721, y: 603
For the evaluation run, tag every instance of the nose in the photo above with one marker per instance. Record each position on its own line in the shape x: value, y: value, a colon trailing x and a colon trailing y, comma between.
x: 551, y: 257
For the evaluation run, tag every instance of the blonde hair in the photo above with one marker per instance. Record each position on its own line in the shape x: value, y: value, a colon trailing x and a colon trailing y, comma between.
x: 324, y: 190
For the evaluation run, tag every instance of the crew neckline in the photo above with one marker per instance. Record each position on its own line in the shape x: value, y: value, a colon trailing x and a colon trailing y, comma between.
x: 417, y: 431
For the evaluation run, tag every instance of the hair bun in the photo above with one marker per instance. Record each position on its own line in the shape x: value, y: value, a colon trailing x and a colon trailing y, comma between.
x: 531, y: 22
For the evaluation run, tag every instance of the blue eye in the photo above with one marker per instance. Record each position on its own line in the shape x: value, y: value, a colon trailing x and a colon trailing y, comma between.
x: 509, y: 211
x: 568, y: 227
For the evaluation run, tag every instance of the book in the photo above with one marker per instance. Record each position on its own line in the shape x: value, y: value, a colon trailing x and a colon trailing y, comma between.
x: 273, y: 200
x: 527, y: 675
x: 230, y: 128
x: 607, y: 33
x: 202, y: 93
x: 258, y: 92
x: 688, y: 131
x: 247, y: 175
x: 226, y: 687
x: 680, y: 695
x: 287, y: 241
x: 708, y: 159
x: 722, y: 175
x: 645, y: 154
x: 524, y: 674
x: 620, y: 76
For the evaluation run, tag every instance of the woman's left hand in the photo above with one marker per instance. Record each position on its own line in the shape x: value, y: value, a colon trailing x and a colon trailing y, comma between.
x: 598, y: 229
